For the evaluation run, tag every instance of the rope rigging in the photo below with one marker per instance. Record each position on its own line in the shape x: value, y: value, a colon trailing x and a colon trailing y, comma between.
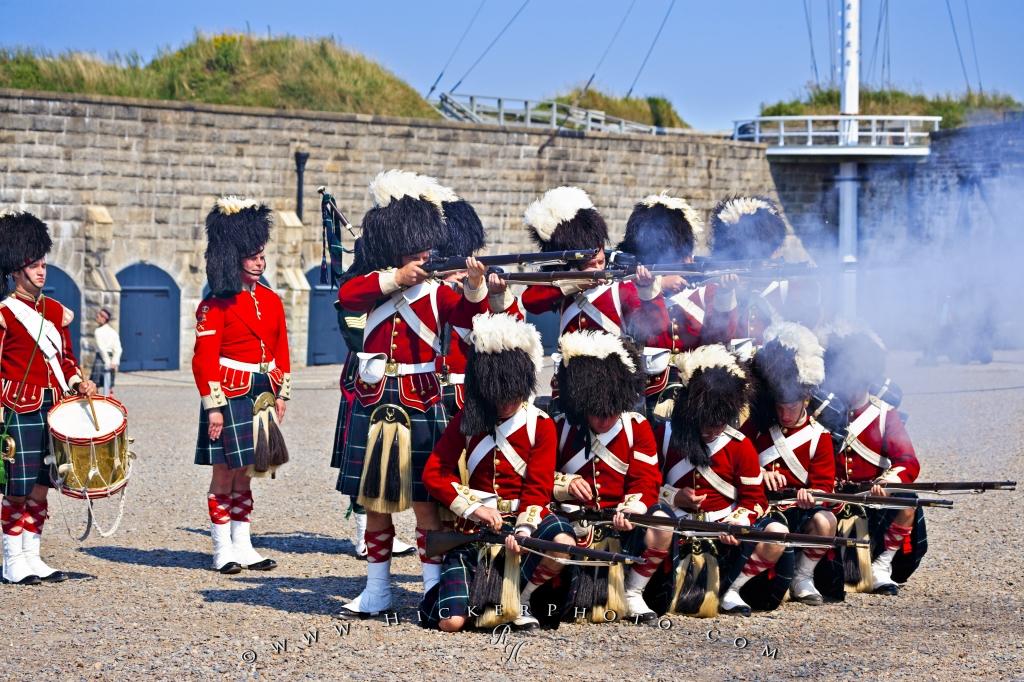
x: 492, y: 43
x: 810, y: 41
x: 651, y: 48
x: 974, y: 47
x: 956, y: 39
x: 456, y: 49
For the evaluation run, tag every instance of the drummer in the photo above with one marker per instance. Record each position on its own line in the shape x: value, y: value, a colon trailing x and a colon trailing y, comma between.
x: 37, y: 368
x: 241, y: 367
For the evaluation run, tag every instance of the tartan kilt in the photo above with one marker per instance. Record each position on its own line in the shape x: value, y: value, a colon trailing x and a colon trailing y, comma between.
x: 453, y: 397
x: 98, y: 369
x: 459, y: 567
x: 348, y: 382
x: 236, y: 446
x: 904, y: 563
x: 829, y: 574
x: 32, y: 444
x: 427, y: 427
x: 763, y: 592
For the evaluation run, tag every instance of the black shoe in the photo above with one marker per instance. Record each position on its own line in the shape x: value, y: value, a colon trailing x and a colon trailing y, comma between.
x: 740, y: 610
x: 27, y: 580
x: 530, y: 626
x: 346, y: 614
x: 643, y: 618
x: 56, y: 577
x: 265, y: 565
x: 230, y: 568
x: 889, y: 589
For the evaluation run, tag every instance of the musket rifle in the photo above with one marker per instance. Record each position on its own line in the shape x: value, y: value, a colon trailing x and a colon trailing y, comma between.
x: 441, y: 264
x: 711, y: 529
x: 565, y: 276
x: 934, y: 486
x: 442, y: 542
x: 788, y: 496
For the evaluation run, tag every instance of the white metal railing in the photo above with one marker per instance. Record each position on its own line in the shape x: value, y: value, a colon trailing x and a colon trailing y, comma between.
x: 837, y: 131
x: 504, y: 111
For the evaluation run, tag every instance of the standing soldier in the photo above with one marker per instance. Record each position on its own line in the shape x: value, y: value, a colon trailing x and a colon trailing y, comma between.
x: 397, y: 415
x: 510, y: 447
x: 876, y: 448
x: 663, y: 229
x: 745, y: 228
x: 608, y: 459
x: 37, y: 368
x: 795, y: 451
x: 242, y: 369
x: 108, y: 353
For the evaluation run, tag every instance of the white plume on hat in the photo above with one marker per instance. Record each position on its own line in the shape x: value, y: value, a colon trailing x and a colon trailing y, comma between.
x: 555, y: 207
x: 734, y: 209
x: 395, y: 184
x: 706, y: 357
x: 676, y: 204
x: 809, y: 355
x: 595, y: 344
x: 231, y: 205
x: 494, y: 333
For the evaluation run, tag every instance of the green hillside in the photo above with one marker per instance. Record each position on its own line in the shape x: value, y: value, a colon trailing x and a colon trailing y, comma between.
x: 952, y: 108
x: 285, y: 73
x: 656, y: 111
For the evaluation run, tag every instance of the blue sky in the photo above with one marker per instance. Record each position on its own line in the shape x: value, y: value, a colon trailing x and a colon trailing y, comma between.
x: 715, y: 60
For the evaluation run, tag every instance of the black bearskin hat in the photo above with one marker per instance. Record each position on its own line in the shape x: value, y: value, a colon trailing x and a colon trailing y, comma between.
x: 24, y: 239
x: 235, y: 229
x: 746, y: 228
x: 465, y: 232
x: 406, y: 218
x: 661, y: 229
x: 565, y: 219
x: 854, y: 361
x: 786, y: 369
x: 715, y: 390
x: 501, y: 368
x: 600, y: 375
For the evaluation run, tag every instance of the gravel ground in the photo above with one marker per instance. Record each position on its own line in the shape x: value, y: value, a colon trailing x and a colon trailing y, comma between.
x: 144, y: 602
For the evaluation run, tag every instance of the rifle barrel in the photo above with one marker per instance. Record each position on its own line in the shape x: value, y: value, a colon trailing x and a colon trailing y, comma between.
x: 942, y: 486
x: 890, y: 502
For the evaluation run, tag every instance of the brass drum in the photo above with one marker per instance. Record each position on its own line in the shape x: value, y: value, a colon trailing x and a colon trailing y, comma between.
x: 88, y: 462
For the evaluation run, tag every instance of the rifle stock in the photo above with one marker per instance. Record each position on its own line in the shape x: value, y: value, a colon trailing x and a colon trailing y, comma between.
x: 442, y: 542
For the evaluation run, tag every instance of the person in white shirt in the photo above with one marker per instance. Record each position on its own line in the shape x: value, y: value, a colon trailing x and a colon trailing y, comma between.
x: 108, y: 353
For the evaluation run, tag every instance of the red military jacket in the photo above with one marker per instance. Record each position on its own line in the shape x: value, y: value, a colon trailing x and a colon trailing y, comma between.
x: 802, y: 454
x: 686, y: 320
x: 510, y: 470
x: 18, y: 345
x: 607, y: 307
x: 877, y: 446
x: 236, y: 337
x: 733, y: 482
x: 622, y: 467
x: 403, y: 332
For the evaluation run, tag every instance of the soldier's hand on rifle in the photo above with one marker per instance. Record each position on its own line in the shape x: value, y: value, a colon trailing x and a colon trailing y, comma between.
x: 878, y: 489
x: 774, y: 480
x: 495, y: 284
x: 477, y: 271
x: 687, y: 498
x: 512, y: 545
x: 673, y: 284
x: 281, y: 408
x: 216, y: 423
x: 410, y: 274
x: 488, y: 517
x: 728, y: 539
x: 86, y: 388
x: 620, y: 522
x: 456, y: 277
x: 580, y: 489
x: 728, y: 282
x: 804, y: 498
x: 644, y: 278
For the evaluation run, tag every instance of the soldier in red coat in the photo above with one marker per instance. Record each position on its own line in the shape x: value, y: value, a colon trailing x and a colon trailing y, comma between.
x: 795, y: 451
x: 397, y: 414
x: 608, y: 459
x: 565, y: 219
x: 37, y: 369
x: 876, y: 448
x: 509, y: 447
x: 663, y: 229
x: 242, y: 369
x: 751, y: 228
x: 712, y: 473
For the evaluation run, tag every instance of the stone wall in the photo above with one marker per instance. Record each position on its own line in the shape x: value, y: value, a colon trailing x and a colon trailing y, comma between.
x: 122, y: 181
